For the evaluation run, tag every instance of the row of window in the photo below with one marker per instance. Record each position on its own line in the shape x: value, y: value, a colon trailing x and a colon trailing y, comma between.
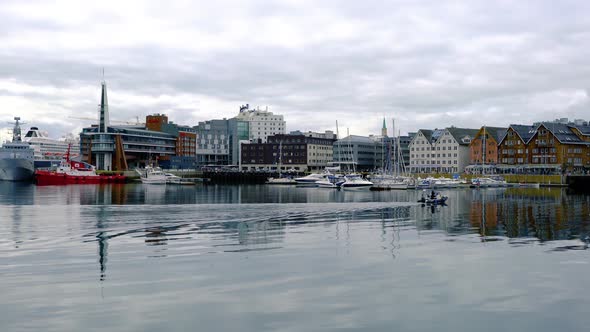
x: 426, y: 162
x: 285, y: 154
x: 428, y: 155
x: 211, y: 146
x: 438, y: 148
x: 287, y: 161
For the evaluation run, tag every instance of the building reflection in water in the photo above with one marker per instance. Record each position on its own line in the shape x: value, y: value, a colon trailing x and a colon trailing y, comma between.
x: 526, y: 214
x: 102, y: 240
x: 544, y: 214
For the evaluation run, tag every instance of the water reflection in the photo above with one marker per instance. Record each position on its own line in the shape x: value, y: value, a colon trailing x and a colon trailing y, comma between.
x: 544, y: 214
x: 527, y: 214
x: 219, y: 249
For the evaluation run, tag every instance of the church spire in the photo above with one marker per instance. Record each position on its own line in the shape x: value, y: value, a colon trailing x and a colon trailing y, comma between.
x: 384, y: 129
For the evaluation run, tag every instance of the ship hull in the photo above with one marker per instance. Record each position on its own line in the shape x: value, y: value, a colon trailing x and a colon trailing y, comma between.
x: 49, y: 178
x: 16, y: 169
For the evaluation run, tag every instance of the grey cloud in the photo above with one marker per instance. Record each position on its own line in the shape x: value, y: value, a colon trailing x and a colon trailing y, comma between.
x: 451, y: 63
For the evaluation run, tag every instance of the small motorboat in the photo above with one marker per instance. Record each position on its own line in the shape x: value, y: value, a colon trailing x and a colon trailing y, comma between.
x: 439, y: 200
x: 173, y: 179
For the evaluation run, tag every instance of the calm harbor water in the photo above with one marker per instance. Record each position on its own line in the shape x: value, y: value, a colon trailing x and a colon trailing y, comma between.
x: 274, y: 258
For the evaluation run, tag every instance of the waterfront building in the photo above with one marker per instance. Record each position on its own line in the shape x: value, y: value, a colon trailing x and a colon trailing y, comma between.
x: 452, y: 149
x: 289, y: 152
x: 513, y: 153
x: 565, y: 121
x: 441, y: 150
x: 218, y: 141
x: 359, y: 153
x: 549, y: 147
x: 421, y: 148
x: 123, y: 147
x: 261, y: 123
x: 555, y: 146
x: 186, y: 142
x: 485, y: 155
x: 327, y: 134
x: 391, y: 144
x: 404, y: 143
x: 212, y: 143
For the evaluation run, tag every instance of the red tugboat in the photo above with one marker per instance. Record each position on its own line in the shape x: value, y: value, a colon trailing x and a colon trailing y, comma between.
x: 74, y: 172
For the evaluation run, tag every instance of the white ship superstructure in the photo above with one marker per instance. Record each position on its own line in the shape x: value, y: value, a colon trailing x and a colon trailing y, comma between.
x: 16, y: 158
x: 48, y: 148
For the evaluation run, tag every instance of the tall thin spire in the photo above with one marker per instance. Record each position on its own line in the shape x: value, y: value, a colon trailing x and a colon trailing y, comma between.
x: 384, y: 129
x: 104, y: 110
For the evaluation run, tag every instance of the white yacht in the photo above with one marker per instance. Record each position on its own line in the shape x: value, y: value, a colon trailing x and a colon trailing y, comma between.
x: 385, y: 181
x: 355, y: 181
x: 443, y: 182
x: 280, y: 180
x: 310, y: 179
x: 330, y: 181
x: 16, y: 158
x: 152, y: 175
x: 493, y: 181
x: 426, y: 183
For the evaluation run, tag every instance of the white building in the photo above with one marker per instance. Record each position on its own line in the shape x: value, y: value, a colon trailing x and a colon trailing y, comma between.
x: 420, y: 151
x: 262, y: 123
x: 441, y: 150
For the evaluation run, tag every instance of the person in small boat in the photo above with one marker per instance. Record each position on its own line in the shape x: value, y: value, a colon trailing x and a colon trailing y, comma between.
x: 432, y: 195
x: 424, y: 196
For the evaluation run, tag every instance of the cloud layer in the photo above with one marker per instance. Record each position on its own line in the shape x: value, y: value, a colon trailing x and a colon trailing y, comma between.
x: 425, y: 63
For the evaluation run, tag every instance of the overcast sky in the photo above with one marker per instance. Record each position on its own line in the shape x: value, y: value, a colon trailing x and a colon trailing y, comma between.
x: 425, y: 63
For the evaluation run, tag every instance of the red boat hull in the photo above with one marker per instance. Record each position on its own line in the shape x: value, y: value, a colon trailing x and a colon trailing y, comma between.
x: 45, y: 178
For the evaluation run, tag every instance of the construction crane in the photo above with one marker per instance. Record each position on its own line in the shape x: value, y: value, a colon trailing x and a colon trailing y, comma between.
x: 137, y: 123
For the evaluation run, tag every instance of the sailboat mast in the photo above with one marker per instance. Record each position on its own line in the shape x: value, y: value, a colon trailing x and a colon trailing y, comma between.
x: 339, y: 146
x: 395, y: 161
x: 350, y: 150
x: 483, y: 152
x: 280, y: 157
x: 400, y: 156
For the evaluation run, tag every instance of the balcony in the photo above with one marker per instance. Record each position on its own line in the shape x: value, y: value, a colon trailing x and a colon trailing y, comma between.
x: 103, y: 148
x: 103, y: 141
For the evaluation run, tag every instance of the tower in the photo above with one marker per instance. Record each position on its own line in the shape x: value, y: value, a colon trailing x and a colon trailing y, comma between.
x: 104, y: 110
x: 384, y: 129
x: 104, y: 147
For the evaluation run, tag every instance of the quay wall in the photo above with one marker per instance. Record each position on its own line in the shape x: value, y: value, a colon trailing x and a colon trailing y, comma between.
x: 510, y: 178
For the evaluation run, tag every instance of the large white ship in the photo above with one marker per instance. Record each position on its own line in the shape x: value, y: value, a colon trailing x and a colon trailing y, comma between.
x: 16, y: 157
x: 49, y: 149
